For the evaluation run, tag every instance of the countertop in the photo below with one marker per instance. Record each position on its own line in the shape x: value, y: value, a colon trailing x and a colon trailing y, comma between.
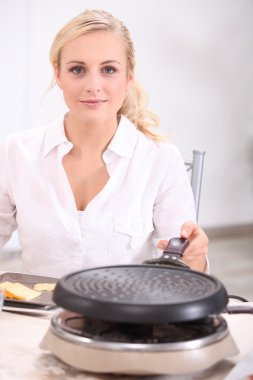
x: 21, y: 357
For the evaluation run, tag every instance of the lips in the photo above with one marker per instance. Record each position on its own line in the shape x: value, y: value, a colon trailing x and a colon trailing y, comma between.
x: 93, y: 102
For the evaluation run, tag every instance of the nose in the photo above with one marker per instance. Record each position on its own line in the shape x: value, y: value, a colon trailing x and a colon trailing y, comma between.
x: 93, y: 83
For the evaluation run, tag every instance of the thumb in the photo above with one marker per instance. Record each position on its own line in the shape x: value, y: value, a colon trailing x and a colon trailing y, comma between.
x: 187, y: 229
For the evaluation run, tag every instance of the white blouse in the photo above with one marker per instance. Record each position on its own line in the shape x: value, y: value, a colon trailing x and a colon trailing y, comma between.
x: 147, y: 197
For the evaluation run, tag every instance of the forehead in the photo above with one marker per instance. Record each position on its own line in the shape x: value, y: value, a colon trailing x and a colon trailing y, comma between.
x: 101, y: 45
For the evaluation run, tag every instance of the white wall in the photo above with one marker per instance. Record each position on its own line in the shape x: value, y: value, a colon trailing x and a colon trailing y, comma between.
x: 195, y: 59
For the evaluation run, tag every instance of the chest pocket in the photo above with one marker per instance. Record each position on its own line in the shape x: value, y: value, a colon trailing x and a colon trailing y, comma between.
x: 131, y: 232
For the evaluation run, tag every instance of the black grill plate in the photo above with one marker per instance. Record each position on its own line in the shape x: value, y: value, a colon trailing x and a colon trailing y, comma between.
x: 141, y: 293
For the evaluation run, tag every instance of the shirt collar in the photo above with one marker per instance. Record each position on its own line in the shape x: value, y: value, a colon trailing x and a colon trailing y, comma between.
x: 123, y: 142
x: 55, y: 135
x: 125, y: 138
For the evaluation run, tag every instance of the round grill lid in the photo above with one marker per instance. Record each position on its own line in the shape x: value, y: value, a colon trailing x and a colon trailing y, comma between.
x: 141, y: 294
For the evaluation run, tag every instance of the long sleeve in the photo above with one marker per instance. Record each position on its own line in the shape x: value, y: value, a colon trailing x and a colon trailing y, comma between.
x: 7, y: 208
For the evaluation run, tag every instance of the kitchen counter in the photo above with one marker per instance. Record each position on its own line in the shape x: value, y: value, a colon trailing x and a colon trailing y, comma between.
x: 21, y: 357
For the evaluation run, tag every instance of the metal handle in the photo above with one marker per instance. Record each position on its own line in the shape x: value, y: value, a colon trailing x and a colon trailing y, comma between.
x: 176, y: 247
x: 239, y: 309
x: 172, y: 254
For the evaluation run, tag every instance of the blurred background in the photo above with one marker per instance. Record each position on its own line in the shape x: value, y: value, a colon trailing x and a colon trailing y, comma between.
x: 195, y: 59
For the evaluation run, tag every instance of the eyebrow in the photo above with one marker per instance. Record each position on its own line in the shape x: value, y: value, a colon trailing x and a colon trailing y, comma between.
x: 102, y: 63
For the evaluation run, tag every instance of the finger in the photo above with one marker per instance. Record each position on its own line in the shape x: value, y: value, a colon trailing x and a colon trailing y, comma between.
x: 162, y: 244
x: 196, y: 248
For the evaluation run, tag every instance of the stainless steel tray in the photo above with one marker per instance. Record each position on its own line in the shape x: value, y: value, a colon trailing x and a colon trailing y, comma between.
x: 40, y: 305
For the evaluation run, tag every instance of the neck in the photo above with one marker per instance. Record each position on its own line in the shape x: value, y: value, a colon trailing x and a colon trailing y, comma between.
x: 90, y: 136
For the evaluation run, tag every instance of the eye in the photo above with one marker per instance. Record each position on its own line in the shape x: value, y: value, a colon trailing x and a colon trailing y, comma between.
x: 77, y: 70
x: 109, y: 69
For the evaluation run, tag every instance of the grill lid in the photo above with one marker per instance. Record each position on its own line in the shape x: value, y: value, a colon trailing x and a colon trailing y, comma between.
x: 141, y: 294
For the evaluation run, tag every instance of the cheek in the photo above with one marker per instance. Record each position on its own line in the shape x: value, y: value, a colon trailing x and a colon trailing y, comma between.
x: 71, y: 88
x: 119, y: 88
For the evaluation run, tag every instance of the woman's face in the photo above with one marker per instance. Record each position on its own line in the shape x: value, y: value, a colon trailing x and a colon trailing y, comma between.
x: 93, y: 76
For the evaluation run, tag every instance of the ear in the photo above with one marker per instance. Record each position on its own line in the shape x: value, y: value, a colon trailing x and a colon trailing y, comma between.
x: 57, y: 75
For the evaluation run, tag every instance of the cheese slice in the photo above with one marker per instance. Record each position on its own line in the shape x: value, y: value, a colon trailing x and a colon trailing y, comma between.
x: 15, y: 290
x: 44, y: 287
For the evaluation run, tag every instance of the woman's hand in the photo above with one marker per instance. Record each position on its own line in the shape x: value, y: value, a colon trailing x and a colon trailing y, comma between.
x: 196, y: 252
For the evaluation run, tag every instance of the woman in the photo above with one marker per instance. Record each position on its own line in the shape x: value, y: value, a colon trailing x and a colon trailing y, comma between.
x: 98, y: 186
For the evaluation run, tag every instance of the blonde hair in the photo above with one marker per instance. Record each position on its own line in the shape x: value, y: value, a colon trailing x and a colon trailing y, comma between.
x: 135, y: 105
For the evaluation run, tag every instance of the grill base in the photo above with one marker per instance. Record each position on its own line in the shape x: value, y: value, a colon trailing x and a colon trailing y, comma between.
x: 133, y: 363
x: 186, y: 335
x: 125, y: 357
